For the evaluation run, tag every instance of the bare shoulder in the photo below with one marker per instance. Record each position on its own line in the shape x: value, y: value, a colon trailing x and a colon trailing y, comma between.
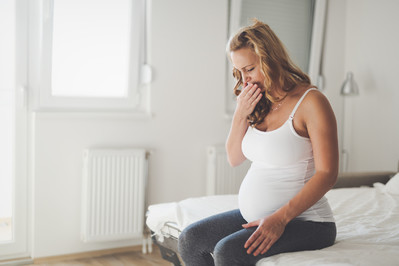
x: 315, y: 100
x: 317, y: 112
x: 315, y: 107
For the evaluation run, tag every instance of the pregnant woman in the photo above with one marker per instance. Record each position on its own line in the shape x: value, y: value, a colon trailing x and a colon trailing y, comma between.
x: 287, y: 129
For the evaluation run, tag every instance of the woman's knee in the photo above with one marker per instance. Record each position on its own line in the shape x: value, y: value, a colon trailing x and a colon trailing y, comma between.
x: 185, y: 238
x: 221, y: 252
x: 190, y: 238
x: 229, y: 251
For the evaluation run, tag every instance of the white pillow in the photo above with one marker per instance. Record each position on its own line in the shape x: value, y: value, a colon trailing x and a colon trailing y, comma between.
x: 393, y: 185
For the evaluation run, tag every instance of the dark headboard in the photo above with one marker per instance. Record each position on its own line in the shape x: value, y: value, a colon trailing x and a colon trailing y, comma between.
x: 362, y: 179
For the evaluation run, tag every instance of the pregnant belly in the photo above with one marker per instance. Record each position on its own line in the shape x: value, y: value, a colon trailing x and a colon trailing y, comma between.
x: 262, y: 193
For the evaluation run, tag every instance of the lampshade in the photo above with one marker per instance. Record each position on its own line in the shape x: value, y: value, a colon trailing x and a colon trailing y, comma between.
x: 349, y: 87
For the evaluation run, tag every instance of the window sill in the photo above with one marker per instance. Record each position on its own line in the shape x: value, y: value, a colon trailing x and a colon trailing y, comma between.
x: 94, y: 114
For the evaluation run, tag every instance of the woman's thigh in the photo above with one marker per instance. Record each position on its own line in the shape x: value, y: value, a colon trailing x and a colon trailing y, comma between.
x: 298, y: 236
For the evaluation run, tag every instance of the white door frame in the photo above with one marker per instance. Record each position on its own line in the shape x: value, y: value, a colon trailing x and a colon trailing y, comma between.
x: 19, y: 246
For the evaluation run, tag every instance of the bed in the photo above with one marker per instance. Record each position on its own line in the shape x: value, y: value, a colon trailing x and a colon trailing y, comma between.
x: 365, y: 206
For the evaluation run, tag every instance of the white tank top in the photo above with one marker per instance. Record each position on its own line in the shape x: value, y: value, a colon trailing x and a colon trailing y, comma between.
x: 282, y: 162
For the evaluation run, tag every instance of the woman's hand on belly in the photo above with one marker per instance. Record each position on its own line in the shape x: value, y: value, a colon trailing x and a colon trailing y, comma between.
x: 268, y: 232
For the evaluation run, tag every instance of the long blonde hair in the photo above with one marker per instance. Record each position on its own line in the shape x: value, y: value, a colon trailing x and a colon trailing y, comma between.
x: 276, y: 66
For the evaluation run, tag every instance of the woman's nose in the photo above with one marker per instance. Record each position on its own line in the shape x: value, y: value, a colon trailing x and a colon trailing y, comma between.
x: 246, y: 78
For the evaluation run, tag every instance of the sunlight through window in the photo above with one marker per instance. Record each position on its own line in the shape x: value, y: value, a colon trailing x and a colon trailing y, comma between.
x: 90, y: 51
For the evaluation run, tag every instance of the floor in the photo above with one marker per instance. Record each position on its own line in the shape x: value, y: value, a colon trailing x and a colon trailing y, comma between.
x: 131, y: 258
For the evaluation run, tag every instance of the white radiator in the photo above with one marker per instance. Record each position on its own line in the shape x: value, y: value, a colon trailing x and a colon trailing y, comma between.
x: 221, y: 177
x: 113, y: 194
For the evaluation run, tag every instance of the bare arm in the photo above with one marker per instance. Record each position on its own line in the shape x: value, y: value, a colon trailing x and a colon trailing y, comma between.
x: 322, y: 129
x: 246, y: 103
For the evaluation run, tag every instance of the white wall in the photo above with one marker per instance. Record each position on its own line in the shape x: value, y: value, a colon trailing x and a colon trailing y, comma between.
x: 188, y: 56
x: 372, y: 42
x: 361, y: 37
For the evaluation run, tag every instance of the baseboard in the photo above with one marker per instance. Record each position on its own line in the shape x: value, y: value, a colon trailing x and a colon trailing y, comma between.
x: 89, y: 254
x: 15, y: 262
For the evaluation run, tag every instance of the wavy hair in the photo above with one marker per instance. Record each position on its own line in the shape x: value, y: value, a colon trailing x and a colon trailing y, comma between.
x: 275, y: 64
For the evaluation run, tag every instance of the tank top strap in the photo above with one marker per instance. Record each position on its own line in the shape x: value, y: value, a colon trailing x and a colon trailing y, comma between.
x: 299, y: 102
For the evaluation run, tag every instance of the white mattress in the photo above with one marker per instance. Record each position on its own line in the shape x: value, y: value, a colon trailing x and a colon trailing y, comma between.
x: 367, y: 222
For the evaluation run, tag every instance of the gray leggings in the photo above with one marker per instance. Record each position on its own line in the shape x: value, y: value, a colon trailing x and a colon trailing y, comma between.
x: 224, y: 237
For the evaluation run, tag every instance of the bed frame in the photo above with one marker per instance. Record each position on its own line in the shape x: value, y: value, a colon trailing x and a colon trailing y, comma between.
x: 168, y: 247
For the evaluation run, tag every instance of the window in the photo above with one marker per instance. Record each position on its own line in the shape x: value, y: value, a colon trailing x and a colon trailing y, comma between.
x: 88, y: 55
x: 298, y: 23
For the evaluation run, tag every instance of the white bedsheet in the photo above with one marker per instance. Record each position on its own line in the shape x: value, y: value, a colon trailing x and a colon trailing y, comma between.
x: 367, y: 221
x: 187, y: 211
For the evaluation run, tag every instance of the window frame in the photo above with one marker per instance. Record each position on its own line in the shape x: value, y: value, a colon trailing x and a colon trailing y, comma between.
x: 40, y: 56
